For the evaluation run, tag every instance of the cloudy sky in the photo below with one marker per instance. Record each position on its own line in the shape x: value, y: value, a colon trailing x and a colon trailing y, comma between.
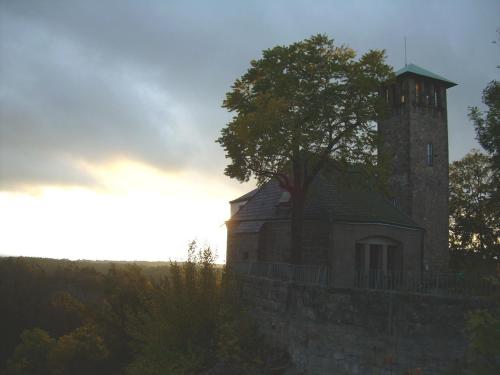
x: 109, y: 109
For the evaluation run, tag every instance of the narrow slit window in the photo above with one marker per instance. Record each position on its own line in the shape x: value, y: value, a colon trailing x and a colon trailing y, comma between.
x: 430, y: 154
x: 360, y: 257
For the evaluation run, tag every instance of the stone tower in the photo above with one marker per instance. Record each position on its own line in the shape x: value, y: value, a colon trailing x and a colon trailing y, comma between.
x: 415, y: 143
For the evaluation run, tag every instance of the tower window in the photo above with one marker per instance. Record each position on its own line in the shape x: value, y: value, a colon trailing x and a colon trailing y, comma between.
x: 437, y: 95
x: 430, y: 154
x: 418, y: 90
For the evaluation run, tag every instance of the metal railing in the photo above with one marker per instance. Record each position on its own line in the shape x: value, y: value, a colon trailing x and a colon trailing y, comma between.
x: 440, y: 283
x: 299, y: 274
x: 446, y: 283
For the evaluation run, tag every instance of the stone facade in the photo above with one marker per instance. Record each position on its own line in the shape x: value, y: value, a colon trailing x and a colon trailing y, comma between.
x: 332, y: 244
x: 272, y: 243
x: 356, y: 331
x: 344, y: 237
x: 415, y: 141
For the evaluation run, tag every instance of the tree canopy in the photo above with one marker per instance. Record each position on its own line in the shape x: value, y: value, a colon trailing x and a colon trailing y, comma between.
x: 298, y: 108
x: 487, y: 124
x: 65, y: 318
x: 475, y: 183
x: 474, y: 220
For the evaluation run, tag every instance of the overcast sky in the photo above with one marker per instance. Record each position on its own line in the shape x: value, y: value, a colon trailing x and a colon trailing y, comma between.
x: 85, y: 83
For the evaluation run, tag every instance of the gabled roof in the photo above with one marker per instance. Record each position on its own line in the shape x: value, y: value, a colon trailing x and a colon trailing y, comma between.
x: 332, y: 197
x: 417, y: 70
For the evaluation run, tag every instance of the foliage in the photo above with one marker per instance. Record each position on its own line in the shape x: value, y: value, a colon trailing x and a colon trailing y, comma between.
x: 125, y: 295
x: 192, y: 327
x: 33, y: 297
x: 299, y: 108
x: 79, y: 352
x: 174, y: 335
x: 30, y: 356
x: 74, y: 320
x: 483, y: 330
x: 487, y: 124
x: 474, y: 218
x: 481, y: 232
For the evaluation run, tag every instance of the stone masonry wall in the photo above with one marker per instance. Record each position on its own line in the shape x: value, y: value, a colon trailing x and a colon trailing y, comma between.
x: 272, y: 243
x: 420, y: 190
x: 353, y: 331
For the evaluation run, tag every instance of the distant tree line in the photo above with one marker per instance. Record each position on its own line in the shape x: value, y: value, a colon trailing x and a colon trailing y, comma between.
x: 75, y: 320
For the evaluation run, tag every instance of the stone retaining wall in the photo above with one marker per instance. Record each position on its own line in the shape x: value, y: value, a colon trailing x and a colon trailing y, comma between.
x: 354, y: 331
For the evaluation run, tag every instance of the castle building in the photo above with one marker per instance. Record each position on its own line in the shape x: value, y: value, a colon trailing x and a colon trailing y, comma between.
x: 351, y: 228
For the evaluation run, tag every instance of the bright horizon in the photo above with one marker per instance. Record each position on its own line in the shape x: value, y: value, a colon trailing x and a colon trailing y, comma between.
x: 109, y: 110
x: 137, y: 213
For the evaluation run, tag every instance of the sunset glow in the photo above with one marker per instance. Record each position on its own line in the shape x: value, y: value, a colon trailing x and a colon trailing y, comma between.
x: 137, y: 213
x: 109, y: 111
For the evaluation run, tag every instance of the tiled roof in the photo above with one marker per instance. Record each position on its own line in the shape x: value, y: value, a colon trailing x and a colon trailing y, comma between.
x: 332, y: 196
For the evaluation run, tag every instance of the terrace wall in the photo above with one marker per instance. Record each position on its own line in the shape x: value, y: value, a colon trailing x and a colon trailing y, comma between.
x: 356, y: 331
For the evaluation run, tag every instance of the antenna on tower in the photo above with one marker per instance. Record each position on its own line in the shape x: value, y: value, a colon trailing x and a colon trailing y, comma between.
x: 406, y: 63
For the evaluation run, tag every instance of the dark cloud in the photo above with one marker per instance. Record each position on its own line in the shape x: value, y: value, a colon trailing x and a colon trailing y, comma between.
x: 95, y: 80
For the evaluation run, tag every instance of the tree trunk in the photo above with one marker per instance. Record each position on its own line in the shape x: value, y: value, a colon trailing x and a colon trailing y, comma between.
x: 298, y: 200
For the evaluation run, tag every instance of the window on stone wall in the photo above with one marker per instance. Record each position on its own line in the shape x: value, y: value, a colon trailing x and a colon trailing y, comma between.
x: 427, y: 93
x: 418, y: 91
x: 375, y: 257
x: 378, y: 254
x: 430, y: 154
x: 378, y: 262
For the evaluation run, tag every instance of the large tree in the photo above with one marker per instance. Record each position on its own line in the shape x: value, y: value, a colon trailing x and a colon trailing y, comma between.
x: 299, y: 108
x: 487, y: 124
x: 474, y: 219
